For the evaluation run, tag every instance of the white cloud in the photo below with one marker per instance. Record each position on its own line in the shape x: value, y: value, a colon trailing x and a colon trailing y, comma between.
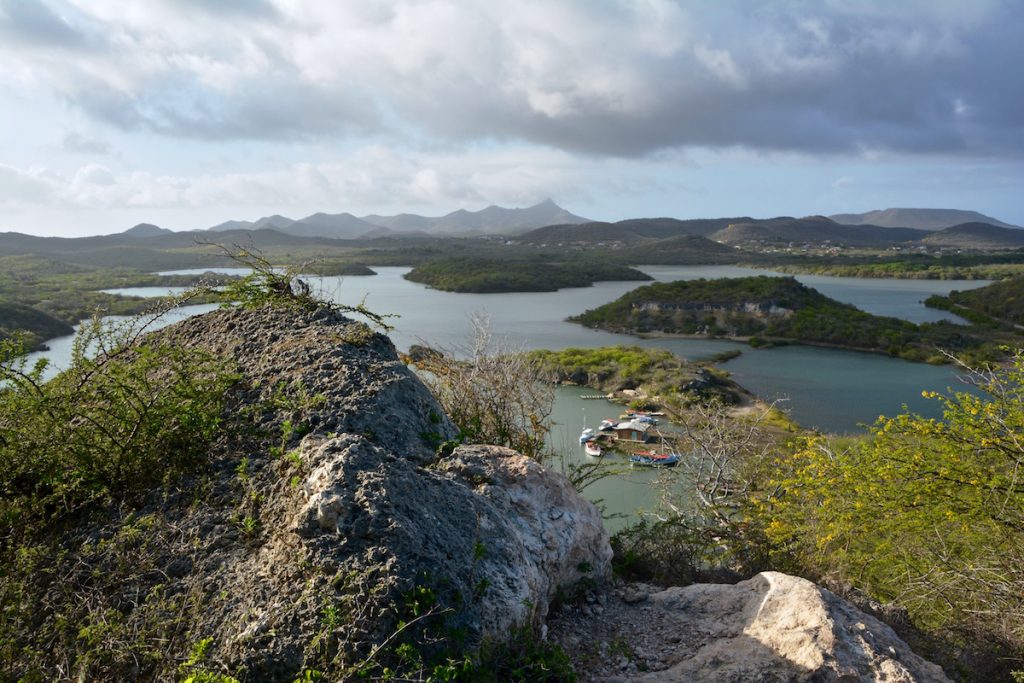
x: 371, y: 177
x: 623, y: 77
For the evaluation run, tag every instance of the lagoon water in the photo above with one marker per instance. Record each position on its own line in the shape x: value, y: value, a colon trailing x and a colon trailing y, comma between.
x: 828, y: 389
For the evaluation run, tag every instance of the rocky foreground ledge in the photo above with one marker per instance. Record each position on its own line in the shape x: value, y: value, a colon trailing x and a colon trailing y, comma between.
x: 773, y: 627
x: 335, y: 521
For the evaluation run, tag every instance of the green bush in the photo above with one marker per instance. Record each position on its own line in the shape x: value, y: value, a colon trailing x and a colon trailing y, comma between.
x: 926, y: 512
x: 108, y: 428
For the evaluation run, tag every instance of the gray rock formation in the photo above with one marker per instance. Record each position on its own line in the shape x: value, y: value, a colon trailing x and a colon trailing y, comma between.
x: 362, y: 515
x: 773, y: 627
x: 505, y: 533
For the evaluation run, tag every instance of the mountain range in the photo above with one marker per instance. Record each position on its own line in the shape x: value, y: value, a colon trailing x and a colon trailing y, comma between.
x: 489, y: 221
x: 779, y: 231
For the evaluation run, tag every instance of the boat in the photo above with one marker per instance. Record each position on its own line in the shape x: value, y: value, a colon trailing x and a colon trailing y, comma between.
x: 592, y: 448
x: 587, y: 435
x: 607, y: 425
x: 636, y: 416
x: 654, y: 459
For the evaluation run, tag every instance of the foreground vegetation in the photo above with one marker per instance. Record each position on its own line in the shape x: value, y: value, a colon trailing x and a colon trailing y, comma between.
x: 924, y: 516
x: 779, y: 310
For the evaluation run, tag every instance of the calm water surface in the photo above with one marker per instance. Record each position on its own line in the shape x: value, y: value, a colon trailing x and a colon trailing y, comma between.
x: 827, y: 389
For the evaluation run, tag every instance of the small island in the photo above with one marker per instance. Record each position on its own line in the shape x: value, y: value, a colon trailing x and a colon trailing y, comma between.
x: 487, y: 276
x: 772, y: 310
x: 1000, y: 304
x: 632, y: 373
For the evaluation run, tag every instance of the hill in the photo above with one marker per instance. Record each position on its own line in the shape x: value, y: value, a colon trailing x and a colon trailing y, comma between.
x: 922, y: 219
x: 1000, y: 302
x: 335, y: 226
x: 976, y: 236
x: 33, y: 325
x: 815, y: 230
x: 734, y: 231
x: 770, y: 309
x: 630, y: 231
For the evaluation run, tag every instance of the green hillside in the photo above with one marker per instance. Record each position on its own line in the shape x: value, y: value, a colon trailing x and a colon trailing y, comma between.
x: 1000, y: 302
x: 30, y: 323
x: 774, y: 310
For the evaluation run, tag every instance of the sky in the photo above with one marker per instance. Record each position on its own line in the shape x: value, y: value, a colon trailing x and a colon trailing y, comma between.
x: 186, y: 113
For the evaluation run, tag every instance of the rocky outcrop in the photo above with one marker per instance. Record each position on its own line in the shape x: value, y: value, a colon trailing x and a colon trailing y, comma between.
x: 329, y: 372
x: 773, y: 627
x: 361, y: 517
x: 505, y: 533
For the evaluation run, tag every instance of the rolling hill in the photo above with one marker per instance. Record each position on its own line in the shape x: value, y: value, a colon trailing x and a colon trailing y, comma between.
x: 725, y: 230
x: 922, y: 219
x: 976, y: 236
x: 815, y: 229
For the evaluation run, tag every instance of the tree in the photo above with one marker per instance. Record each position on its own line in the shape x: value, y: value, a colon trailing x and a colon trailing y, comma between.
x: 926, y: 512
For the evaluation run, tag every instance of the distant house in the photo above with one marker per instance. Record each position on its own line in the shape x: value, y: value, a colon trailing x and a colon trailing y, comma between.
x: 637, y: 432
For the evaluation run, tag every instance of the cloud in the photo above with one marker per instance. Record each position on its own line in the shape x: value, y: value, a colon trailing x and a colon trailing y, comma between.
x: 621, y: 78
x: 371, y: 176
x: 77, y: 143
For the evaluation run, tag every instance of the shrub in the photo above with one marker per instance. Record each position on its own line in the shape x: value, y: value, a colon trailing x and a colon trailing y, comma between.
x: 109, y: 427
x: 927, y: 512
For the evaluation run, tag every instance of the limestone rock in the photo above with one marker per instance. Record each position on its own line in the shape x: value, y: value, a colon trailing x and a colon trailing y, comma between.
x: 350, y: 379
x: 773, y: 627
x: 506, y: 533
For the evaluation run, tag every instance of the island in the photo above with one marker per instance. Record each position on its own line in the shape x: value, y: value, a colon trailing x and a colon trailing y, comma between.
x: 1000, y: 304
x: 637, y: 376
x: 488, y: 275
x: 773, y: 310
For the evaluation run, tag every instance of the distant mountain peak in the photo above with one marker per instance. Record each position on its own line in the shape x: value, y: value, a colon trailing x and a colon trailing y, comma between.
x: 145, y: 230
x: 494, y: 219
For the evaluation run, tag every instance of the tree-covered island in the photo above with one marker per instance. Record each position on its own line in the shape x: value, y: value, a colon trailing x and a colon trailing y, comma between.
x: 490, y: 275
x: 772, y: 310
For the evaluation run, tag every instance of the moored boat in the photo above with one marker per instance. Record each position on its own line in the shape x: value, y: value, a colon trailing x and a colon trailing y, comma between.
x: 587, y: 435
x: 654, y: 459
x: 592, y: 448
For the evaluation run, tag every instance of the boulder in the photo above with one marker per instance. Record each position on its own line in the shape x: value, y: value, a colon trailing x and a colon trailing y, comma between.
x: 780, y: 627
x: 504, y: 533
x: 773, y: 627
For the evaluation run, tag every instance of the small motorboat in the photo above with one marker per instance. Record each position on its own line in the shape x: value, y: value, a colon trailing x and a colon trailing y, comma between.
x: 587, y: 435
x: 592, y: 448
x: 654, y: 459
x: 638, y: 416
x: 607, y: 425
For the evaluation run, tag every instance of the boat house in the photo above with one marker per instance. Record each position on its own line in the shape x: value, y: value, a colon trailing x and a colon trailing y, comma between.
x: 634, y: 430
